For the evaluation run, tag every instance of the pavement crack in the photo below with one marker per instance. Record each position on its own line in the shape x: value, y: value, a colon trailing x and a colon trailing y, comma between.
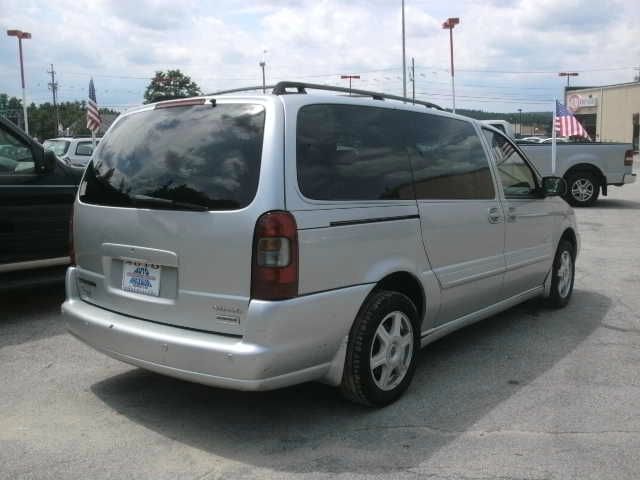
x: 621, y: 329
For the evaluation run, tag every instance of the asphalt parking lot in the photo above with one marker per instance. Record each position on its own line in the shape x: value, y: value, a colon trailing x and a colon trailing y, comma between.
x: 529, y: 394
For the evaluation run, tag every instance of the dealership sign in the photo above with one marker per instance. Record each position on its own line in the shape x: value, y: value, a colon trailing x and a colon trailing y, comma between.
x: 576, y: 102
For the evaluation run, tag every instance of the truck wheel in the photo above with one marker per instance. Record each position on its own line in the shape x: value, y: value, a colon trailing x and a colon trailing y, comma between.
x: 381, y: 353
x: 583, y: 189
x: 563, y: 274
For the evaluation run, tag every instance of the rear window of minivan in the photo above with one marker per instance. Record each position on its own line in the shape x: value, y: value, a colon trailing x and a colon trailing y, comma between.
x: 349, y: 152
x: 204, y: 157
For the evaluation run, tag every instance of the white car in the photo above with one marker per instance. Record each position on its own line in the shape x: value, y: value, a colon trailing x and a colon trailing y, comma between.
x: 530, y: 139
x: 74, y: 151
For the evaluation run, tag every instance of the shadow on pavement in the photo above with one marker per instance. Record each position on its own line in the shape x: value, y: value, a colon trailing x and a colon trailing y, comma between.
x: 612, y: 204
x: 30, y: 313
x: 309, y: 427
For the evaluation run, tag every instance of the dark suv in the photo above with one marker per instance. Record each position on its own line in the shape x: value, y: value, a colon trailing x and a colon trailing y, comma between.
x: 36, y: 195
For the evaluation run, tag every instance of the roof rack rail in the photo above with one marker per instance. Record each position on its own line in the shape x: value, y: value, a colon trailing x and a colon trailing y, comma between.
x: 281, y: 89
x: 243, y: 89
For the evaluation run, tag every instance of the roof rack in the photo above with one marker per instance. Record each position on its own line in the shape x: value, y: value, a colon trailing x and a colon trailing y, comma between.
x: 281, y: 89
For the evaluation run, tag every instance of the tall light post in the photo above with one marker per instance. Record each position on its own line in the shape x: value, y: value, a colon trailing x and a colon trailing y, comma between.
x: 520, y: 120
x: 404, y: 58
x: 350, y: 77
x: 449, y: 25
x: 22, y: 35
x: 262, y: 65
x: 568, y: 75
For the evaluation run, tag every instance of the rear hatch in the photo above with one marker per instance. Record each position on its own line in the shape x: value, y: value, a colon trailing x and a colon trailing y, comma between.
x: 167, y: 209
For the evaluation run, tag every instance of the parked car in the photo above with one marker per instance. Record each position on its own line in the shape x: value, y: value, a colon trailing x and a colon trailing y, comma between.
x: 558, y: 140
x: 36, y: 196
x: 74, y: 151
x: 530, y: 140
x: 588, y: 168
x: 258, y: 241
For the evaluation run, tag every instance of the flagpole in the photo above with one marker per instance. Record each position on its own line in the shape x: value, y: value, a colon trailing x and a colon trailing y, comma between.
x: 553, y: 137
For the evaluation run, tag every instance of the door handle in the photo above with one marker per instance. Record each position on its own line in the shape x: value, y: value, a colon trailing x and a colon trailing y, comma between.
x: 511, y: 215
x: 494, y: 215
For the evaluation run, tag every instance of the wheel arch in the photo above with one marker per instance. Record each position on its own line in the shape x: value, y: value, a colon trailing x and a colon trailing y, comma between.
x: 570, y: 235
x: 407, y: 284
x: 587, y: 167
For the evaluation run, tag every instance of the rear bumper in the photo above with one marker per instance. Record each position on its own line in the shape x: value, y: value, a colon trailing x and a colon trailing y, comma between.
x: 629, y: 178
x: 287, y: 342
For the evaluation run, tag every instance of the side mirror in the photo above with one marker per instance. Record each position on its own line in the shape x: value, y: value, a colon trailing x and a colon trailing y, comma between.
x: 554, y: 186
x: 48, y: 163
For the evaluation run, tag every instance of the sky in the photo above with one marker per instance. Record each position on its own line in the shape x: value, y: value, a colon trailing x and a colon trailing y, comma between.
x: 507, y: 53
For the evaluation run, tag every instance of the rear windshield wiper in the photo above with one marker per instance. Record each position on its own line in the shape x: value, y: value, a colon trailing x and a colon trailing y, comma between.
x: 169, y: 203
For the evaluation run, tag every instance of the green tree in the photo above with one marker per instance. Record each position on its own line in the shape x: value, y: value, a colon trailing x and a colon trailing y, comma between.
x: 169, y: 85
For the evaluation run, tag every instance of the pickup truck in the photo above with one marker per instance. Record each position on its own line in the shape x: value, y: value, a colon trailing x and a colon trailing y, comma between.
x: 36, y: 196
x: 588, y: 168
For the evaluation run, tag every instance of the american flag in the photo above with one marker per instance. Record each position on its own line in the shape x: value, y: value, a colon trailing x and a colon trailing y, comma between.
x: 567, y: 125
x: 93, y: 115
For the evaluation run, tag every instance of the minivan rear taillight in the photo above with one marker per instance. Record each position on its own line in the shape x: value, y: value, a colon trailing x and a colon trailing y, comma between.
x: 274, y: 271
x: 628, y: 158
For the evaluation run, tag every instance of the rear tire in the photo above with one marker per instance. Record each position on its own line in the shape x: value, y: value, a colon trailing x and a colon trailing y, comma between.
x: 583, y: 189
x: 563, y: 274
x: 382, y: 348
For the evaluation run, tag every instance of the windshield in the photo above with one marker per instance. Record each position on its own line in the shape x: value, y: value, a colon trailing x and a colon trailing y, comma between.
x: 59, y: 147
x: 190, y: 156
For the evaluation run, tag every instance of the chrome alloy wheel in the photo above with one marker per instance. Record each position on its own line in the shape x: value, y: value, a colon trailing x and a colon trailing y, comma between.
x: 565, y: 274
x: 391, y: 350
x: 582, y: 189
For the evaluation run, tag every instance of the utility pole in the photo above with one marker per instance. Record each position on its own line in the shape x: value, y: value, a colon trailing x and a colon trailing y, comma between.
x: 404, y: 59
x: 413, y: 79
x: 53, y: 86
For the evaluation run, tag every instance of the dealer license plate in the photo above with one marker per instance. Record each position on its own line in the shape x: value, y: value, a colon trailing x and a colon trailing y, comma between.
x: 140, y: 277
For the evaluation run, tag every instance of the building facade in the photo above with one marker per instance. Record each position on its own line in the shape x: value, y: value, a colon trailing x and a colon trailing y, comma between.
x: 609, y: 113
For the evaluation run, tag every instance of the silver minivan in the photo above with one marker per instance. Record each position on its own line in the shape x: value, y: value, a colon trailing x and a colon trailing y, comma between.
x: 258, y: 241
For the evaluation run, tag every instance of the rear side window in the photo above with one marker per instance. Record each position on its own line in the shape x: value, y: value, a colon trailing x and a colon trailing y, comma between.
x: 449, y: 161
x: 189, y: 157
x: 349, y: 152
x: 59, y: 147
x: 84, y: 149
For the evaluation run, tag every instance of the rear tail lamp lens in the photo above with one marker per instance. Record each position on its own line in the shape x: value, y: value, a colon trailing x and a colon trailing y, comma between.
x: 274, y: 272
x: 628, y: 158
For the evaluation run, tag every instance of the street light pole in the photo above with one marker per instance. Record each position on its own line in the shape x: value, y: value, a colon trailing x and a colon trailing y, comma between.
x: 520, y: 120
x: 449, y: 25
x: 20, y: 35
x: 262, y: 65
x: 404, y: 58
x: 350, y: 77
x: 568, y: 75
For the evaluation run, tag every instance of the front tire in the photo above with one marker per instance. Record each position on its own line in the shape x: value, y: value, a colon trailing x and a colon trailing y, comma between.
x: 382, y: 348
x: 563, y: 274
x: 583, y: 189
